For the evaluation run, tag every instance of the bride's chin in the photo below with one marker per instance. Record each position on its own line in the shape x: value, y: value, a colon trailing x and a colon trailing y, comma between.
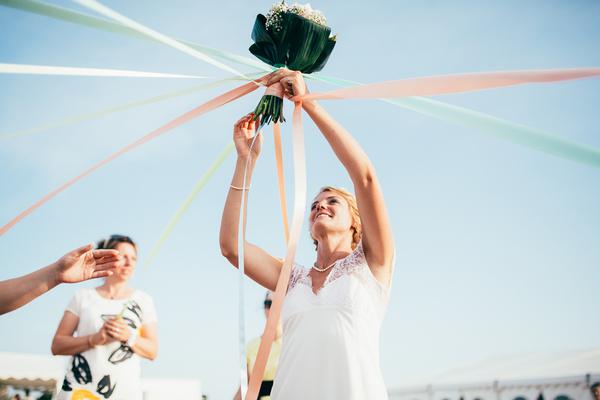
x: 320, y: 230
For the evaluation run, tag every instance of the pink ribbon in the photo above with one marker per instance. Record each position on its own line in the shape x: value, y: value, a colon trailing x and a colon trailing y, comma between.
x: 409, y: 87
x: 299, y: 205
x: 446, y: 84
x: 276, y: 89
x: 182, y: 119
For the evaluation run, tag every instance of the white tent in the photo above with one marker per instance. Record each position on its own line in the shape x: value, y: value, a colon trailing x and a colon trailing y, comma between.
x: 564, y: 376
x: 31, y: 371
x: 45, y: 372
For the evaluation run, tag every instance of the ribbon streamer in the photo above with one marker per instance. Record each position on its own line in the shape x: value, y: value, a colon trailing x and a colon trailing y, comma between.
x: 446, y: 84
x: 73, y: 119
x: 490, y: 125
x: 435, y: 88
x: 241, y: 271
x: 299, y: 205
x: 281, y: 178
x: 497, y: 127
x: 196, y: 112
x: 107, y: 12
x: 485, y: 123
x: 76, y: 71
x: 64, y: 14
x: 188, y: 201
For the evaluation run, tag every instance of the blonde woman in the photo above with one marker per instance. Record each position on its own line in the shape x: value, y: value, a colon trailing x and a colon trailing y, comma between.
x: 333, y: 311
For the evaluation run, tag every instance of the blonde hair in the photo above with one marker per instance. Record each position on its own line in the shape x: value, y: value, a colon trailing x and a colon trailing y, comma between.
x: 356, y: 226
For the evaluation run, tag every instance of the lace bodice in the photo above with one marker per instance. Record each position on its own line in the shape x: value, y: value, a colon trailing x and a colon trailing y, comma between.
x: 343, y: 266
x: 349, y: 280
x: 330, y: 346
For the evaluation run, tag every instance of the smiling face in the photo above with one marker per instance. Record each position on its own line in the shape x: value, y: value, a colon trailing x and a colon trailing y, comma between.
x: 334, y: 211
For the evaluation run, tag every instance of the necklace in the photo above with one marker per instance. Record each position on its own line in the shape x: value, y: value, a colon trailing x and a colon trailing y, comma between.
x: 323, y: 269
x: 117, y: 295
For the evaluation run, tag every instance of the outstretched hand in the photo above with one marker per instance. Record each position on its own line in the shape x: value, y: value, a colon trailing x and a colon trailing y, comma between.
x: 85, y: 263
x: 243, y: 136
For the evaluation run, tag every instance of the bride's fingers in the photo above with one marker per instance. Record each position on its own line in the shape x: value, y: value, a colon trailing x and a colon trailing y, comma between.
x: 246, y: 123
x: 237, y: 125
x: 277, y: 75
x: 244, y: 118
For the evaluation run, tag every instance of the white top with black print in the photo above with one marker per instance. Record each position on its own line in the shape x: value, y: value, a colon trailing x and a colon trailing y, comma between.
x: 111, y: 371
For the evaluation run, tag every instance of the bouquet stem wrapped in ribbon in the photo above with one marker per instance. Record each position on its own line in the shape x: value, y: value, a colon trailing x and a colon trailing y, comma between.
x: 292, y: 36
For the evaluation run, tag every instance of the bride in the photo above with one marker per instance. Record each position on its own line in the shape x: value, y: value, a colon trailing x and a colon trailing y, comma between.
x: 333, y: 311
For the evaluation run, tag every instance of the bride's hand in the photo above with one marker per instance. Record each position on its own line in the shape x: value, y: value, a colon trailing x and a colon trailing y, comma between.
x: 244, y: 131
x: 292, y: 82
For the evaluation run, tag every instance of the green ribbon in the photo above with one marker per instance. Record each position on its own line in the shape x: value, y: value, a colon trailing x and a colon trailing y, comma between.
x: 490, y: 125
x: 188, y: 201
x: 65, y: 14
x: 73, y: 119
x: 484, y: 123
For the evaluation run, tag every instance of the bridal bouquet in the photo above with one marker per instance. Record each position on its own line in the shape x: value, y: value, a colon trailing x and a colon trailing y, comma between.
x: 292, y: 36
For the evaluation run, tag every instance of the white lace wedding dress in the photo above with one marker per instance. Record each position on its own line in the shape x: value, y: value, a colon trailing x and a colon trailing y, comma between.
x: 330, y: 344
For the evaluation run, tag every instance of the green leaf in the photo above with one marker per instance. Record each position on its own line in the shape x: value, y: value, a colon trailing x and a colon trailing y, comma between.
x: 322, y: 60
x: 305, y: 41
x: 264, y: 46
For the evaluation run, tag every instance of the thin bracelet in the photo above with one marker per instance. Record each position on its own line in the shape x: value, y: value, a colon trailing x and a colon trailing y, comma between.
x: 239, y: 188
x: 90, y: 341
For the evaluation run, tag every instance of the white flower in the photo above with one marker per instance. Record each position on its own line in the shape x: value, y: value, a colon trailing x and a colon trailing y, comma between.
x: 274, y: 16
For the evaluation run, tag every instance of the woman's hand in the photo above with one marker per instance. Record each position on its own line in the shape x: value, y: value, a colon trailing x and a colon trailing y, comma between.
x: 118, y: 329
x: 292, y: 82
x: 85, y: 263
x: 243, y: 135
x: 102, y: 337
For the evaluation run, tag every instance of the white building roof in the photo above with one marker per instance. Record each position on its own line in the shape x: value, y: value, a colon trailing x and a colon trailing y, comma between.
x: 31, y: 366
x: 516, y: 371
x: 39, y: 371
x: 532, y: 366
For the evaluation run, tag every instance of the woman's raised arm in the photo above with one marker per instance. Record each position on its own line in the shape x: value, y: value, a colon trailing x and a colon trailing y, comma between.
x: 259, y: 265
x: 377, y: 236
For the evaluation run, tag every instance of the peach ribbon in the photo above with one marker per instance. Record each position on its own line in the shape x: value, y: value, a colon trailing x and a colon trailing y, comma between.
x: 182, y: 119
x: 299, y: 204
x: 447, y: 84
x: 281, y: 178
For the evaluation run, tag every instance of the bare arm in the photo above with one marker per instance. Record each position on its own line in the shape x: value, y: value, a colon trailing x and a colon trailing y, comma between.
x: 147, y: 344
x: 259, y: 265
x: 76, y: 266
x: 376, y: 230
x: 64, y: 343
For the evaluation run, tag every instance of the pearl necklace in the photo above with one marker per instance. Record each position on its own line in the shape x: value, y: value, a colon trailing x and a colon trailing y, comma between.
x: 323, y: 269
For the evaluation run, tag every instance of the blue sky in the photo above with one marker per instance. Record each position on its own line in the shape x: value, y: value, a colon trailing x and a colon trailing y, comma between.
x: 498, y: 245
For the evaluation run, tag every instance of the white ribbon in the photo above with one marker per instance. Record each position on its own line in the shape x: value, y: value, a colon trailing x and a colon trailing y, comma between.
x: 107, y: 12
x: 77, y: 71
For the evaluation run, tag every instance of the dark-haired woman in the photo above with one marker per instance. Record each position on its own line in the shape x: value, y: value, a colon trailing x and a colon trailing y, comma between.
x: 106, y: 330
